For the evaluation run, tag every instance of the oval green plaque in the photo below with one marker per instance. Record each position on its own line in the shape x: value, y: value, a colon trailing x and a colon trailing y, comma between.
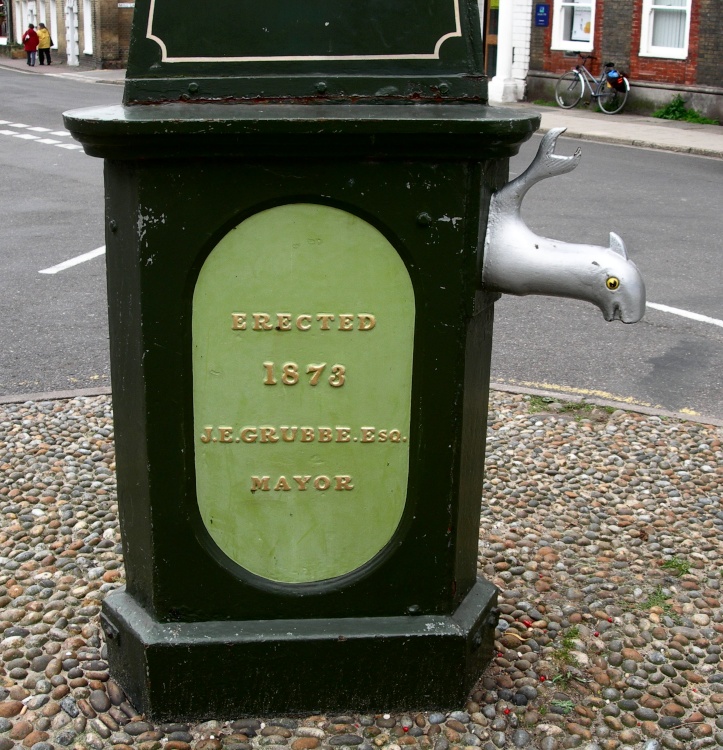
x: 303, y: 326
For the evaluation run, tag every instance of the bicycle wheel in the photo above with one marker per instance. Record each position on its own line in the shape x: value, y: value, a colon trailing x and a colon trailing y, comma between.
x: 569, y: 89
x: 610, y: 100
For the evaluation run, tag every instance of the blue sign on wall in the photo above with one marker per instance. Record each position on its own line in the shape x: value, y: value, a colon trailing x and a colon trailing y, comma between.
x: 542, y: 14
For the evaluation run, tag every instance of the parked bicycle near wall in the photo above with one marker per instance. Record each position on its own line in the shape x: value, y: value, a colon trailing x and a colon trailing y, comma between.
x: 610, y: 90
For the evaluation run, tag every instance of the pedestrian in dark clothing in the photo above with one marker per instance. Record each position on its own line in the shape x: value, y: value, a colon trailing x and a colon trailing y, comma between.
x: 30, y: 42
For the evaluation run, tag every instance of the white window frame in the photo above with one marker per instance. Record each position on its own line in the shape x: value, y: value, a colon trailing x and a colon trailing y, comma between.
x: 560, y: 26
x: 646, y: 33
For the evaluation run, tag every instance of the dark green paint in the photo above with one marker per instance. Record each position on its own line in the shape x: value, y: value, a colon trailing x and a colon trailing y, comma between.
x: 237, y: 50
x: 194, y: 635
x: 174, y: 188
x: 229, y: 669
x: 230, y: 30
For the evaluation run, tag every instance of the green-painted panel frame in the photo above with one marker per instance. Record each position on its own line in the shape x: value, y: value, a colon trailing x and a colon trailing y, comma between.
x: 186, y: 207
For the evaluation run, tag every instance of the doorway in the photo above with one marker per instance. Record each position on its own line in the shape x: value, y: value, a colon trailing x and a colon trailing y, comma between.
x: 492, y: 17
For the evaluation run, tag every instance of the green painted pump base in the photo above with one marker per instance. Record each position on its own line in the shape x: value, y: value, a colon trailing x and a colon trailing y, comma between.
x: 195, y: 671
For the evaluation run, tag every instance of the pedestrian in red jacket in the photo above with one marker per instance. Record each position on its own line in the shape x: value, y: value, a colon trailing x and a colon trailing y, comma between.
x: 30, y: 42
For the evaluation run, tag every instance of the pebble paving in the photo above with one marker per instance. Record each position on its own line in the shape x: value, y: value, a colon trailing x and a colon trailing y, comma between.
x: 602, y: 529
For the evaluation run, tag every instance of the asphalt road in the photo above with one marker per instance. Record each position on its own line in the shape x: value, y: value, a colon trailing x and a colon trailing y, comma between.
x: 667, y: 208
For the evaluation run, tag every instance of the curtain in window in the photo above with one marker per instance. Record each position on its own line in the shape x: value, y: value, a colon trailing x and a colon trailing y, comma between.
x: 669, y: 17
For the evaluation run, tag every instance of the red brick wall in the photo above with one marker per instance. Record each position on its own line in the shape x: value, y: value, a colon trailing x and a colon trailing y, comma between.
x: 557, y: 61
x: 106, y: 31
x: 125, y: 20
x: 654, y: 69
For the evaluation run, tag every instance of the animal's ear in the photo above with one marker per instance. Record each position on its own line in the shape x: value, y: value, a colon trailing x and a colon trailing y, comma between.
x: 617, y: 245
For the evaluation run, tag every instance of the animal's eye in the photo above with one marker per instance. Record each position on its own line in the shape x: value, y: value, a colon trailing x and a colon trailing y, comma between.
x: 612, y: 283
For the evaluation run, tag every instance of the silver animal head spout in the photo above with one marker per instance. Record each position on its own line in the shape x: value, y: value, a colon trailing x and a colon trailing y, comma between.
x: 517, y: 261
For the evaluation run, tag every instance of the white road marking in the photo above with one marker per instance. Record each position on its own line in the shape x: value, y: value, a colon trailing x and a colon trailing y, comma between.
x: 74, y: 261
x: 28, y: 136
x: 685, y: 314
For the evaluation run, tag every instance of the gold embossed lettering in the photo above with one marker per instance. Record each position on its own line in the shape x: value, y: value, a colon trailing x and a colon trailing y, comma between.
x: 268, y: 435
x: 302, y: 481
x: 303, y: 322
x: 338, y: 376
x: 325, y: 319
x: 249, y: 435
x: 259, y: 483
x: 282, y: 485
x: 262, y: 322
x: 367, y: 321
x: 270, y: 379
x: 343, y: 434
x: 325, y: 434
x: 307, y: 435
x: 315, y: 372
x: 283, y: 321
x: 346, y: 322
x: 288, y: 434
x: 224, y: 434
x: 367, y: 434
x: 291, y: 374
x: 343, y: 482
x: 322, y: 483
x: 206, y: 437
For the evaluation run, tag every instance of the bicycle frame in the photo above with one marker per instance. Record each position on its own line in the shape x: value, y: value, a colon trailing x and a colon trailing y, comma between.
x: 589, y: 79
x: 572, y: 85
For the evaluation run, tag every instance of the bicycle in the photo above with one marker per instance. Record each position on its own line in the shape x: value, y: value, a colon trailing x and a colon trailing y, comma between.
x: 611, y: 93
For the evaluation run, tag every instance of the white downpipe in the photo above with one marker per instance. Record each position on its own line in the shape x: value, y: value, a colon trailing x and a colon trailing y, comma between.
x: 87, y: 28
x: 502, y: 88
x: 21, y: 20
x: 71, y: 32
x: 54, y: 24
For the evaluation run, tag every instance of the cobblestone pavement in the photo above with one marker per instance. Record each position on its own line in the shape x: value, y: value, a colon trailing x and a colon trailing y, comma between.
x: 603, y: 530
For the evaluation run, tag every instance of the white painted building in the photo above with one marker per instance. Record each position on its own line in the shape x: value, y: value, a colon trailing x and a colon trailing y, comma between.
x: 86, y: 32
x: 506, y: 31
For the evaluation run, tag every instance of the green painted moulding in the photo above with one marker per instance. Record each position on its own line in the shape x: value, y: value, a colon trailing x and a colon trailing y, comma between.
x: 302, y: 391
x: 323, y: 50
x: 302, y: 132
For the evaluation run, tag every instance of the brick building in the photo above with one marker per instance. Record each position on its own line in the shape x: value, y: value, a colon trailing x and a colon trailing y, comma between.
x: 92, y: 33
x: 665, y: 46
